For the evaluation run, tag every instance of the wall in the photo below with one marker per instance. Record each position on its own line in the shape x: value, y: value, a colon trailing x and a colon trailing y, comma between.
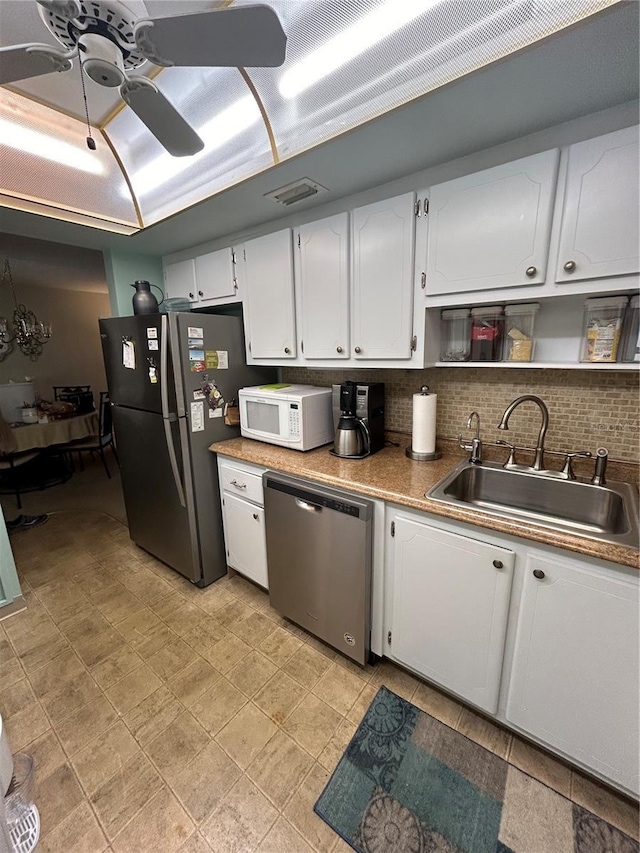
x: 122, y: 269
x: 586, y: 409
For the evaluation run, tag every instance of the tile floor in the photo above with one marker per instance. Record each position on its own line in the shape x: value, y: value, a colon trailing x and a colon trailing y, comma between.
x: 163, y: 717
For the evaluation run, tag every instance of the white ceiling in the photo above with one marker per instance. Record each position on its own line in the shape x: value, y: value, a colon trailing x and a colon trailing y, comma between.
x: 581, y: 70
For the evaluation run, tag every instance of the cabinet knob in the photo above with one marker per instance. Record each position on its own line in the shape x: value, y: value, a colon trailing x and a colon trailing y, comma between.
x: 498, y: 564
x: 287, y: 350
x: 570, y: 266
x: 338, y: 349
x: 538, y: 573
x: 191, y: 296
x: 255, y: 515
x: 531, y: 271
x: 200, y: 293
x: 357, y: 349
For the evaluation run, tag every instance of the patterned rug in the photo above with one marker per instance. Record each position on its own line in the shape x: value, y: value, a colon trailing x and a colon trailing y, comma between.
x: 409, y: 784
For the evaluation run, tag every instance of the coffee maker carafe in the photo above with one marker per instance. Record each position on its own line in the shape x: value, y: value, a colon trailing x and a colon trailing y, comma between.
x: 358, y: 418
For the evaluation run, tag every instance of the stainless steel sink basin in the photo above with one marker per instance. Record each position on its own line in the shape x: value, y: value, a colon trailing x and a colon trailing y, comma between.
x: 607, y: 513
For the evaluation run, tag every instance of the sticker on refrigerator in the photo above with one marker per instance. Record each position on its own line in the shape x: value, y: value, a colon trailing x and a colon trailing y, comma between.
x: 152, y: 332
x: 196, y: 343
x: 129, y: 355
x: 152, y: 344
x: 199, y: 395
x: 196, y: 360
x: 215, y: 413
x: 195, y: 332
x: 216, y: 359
x: 197, y: 417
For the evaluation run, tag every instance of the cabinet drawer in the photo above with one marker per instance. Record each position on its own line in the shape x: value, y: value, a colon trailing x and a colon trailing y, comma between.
x: 241, y: 483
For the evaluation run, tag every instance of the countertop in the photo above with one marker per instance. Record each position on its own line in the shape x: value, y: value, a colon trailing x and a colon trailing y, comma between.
x: 390, y: 476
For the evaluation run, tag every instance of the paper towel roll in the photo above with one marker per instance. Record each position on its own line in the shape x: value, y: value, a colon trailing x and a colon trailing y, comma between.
x: 424, y: 423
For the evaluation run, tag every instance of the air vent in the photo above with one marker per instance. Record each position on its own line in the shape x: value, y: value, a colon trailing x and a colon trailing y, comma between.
x: 299, y: 190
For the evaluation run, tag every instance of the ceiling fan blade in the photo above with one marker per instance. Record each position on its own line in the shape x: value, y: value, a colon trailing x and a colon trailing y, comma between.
x: 247, y: 36
x: 160, y: 117
x: 22, y: 61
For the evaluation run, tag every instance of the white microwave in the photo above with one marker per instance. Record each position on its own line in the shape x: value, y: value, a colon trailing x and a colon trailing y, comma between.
x: 294, y: 416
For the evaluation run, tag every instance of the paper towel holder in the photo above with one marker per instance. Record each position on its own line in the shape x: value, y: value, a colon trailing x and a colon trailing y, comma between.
x: 423, y: 457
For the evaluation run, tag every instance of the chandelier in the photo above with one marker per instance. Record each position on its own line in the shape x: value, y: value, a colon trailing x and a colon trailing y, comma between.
x: 28, y: 333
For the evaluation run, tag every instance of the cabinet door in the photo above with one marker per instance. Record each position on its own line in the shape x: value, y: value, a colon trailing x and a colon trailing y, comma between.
x: 491, y: 229
x: 324, y: 287
x: 180, y: 280
x: 600, y: 221
x: 245, y: 538
x: 574, y: 681
x: 450, y: 603
x: 215, y: 275
x: 383, y: 256
x: 269, y: 296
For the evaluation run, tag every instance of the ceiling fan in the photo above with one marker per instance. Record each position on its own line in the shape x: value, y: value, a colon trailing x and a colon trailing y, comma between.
x: 109, y: 43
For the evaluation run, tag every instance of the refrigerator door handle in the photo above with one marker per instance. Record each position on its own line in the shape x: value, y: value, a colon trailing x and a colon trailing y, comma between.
x: 167, y: 417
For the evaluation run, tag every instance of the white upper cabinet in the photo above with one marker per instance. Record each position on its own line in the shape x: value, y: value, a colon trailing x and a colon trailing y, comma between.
x: 574, y: 682
x: 323, y: 287
x: 270, y: 314
x: 491, y: 229
x: 383, y: 265
x: 180, y: 280
x: 215, y: 275
x: 600, y: 219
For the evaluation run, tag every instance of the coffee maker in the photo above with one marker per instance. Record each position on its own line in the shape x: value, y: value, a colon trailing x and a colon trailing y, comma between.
x: 358, y: 418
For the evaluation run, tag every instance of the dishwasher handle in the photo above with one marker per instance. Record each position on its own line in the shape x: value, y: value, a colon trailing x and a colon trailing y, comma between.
x: 314, y: 497
x: 307, y: 506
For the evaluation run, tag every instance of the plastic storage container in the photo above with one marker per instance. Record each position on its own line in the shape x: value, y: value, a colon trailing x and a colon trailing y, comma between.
x: 602, y: 328
x: 486, y: 333
x: 456, y: 334
x: 629, y: 350
x: 519, y: 323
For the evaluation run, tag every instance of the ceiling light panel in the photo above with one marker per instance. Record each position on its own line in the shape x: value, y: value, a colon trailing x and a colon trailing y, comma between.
x: 217, y: 103
x: 44, y: 158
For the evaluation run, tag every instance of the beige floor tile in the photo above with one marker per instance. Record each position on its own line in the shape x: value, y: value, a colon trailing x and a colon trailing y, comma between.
x: 171, y: 659
x: 279, y: 696
x: 62, y: 599
x: 119, y: 798
x: 73, y: 695
x: 179, y: 614
x: 284, y: 837
x: 205, y: 634
x: 360, y: 707
x: 57, y: 795
x: 251, y: 673
x: 226, y: 653
x: 98, y: 647
x: 10, y: 667
x: 217, y: 706
x: 437, y: 704
x: 307, y: 666
x: 138, y: 626
x: 42, y: 651
x: 312, y: 724
x: 214, y: 598
x: 605, y: 803
x: 181, y: 741
x: 147, y: 586
x: 162, y: 825
x: 240, y: 821
x: 79, y: 832
x: 116, y: 666
x: 279, y: 646
x: 22, y: 715
x: 395, y: 679
x: 47, y: 754
x: 246, y: 734
x: 152, y: 716
x: 86, y: 724
x: 339, y: 688
x: 488, y: 734
x: 534, y: 818
x: 117, y: 603
x: 299, y: 811
x: 233, y: 613
x: 538, y: 764
x: 17, y: 698
x: 104, y: 756
x: 204, y: 782
x: 279, y: 768
x: 198, y: 677
x: 318, y: 645
x: 154, y: 640
x: 254, y: 629
x: 196, y: 844
x: 53, y: 677
x: 94, y: 580
x: 338, y: 742
x: 133, y: 688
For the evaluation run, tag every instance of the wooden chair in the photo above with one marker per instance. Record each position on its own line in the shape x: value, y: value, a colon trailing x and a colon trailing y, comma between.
x: 10, y: 463
x: 62, y: 389
x: 96, y: 443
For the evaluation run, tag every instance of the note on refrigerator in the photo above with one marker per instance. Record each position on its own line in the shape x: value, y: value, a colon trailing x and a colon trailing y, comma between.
x: 129, y: 355
x: 197, y: 416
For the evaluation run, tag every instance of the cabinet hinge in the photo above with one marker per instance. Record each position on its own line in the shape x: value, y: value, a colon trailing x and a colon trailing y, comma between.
x: 425, y: 207
x: 414, y: 343
x: 302, y: 346
x: 223, y: 503
x: 244, y: 255
x: 235, y: 284
x: 298, y: 241
x: 423, y: 280
x: 416, y: 208
x: 233, y: 257
x: 393, y: 528
x: 389, y: 638
x: 249, y: 346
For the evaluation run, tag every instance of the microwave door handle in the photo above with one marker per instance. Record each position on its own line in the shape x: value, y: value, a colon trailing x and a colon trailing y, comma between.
x: 167, y: 417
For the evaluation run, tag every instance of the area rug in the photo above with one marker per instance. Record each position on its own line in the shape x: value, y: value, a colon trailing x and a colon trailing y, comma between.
x: 409, y: 784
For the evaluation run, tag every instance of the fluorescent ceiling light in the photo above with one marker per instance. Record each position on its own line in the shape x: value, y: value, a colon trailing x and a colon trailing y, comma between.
x: 48, y: 147
x: 215, y: 133
x: 368, y: 31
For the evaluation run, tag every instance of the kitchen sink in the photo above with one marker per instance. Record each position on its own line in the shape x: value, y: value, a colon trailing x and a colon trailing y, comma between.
x: 607, y: 513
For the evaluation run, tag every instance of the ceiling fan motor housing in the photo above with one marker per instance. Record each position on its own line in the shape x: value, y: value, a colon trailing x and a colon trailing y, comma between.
x: 101, y: 60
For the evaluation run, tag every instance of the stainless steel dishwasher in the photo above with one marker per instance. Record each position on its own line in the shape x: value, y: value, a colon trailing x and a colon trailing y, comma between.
x: 319, y: 545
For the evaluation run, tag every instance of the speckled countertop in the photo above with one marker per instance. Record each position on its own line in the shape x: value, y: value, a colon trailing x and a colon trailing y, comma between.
x: 390, y: 476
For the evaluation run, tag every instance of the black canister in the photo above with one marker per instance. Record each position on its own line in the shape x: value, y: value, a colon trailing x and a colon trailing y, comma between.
x: 144, y: 302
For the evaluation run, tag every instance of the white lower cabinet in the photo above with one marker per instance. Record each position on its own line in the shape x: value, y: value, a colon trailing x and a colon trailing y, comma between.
x: 450, y: 605
x: 574, y: 680
x: 243, y: 519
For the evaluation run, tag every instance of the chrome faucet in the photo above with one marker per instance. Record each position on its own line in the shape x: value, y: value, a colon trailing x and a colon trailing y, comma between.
x: 475, y: 448
x: 538, y: 464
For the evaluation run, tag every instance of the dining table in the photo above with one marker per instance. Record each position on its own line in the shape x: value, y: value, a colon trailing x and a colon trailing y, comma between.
x: 59, y: 431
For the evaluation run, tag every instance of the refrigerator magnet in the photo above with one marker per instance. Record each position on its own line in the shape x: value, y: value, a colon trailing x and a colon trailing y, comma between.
x: 215, y: 413
x: 195, y: 332
x: 197, y: 417
x: 152, y: 344
x: 152, y: 332
x: 129, y: 355
x: 196, y: 343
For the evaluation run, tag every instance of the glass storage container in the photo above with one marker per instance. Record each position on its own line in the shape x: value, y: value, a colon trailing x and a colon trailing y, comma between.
x: 456, y: 334
x: 486, y: 333
x: 602, y: 327
x: 519, y: 323
x: 630, y: 344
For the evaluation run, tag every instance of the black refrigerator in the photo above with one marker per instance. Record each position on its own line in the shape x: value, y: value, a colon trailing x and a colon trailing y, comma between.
x: 170, y: 377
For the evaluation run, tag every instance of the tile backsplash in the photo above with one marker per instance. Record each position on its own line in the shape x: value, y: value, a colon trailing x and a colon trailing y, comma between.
x: 587, y: 409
